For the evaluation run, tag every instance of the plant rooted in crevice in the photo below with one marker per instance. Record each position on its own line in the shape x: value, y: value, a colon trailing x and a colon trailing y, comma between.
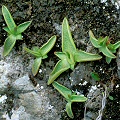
x: 69, y: 55
x: 40, y: 53
x: 104, y: 46
x: 69, y: 96
x: 14, y: 31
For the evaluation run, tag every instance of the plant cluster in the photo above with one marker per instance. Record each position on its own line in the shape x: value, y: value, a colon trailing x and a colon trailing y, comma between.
x: 69, y: 56
x: 69, y: 96
x: 14, y: 31
x: 104, y: 46
x: 40, y: 53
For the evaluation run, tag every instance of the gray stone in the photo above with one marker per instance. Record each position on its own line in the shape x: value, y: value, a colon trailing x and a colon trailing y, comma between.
x: 32, y: 103
x: 23, y: 83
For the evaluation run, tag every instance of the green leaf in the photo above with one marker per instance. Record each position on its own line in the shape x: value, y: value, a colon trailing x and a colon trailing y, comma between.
x: 59, y: 68
x: 107, y: 52
x: 22, y: 27
x: 19, y: 37
x: 64, y: 91
x: 61, y: 55
x: 116, y: 45
x: 36, y: 54
x: 7, y: 30
x: 44, y: 57
x: 69, y: 110
x: 70, y: 59
x: 48, y: 46
x: 36, y: 66
x: 78, y: 98
x: 111, y: 97
x: 93, y: 40
x: 108, y: 60
x: 8, y: 19
x: 95, y: 76
x: 111, y: 48
x: 103, y: 41
x: 67, y: 41
x: 9, y: 44
x: 81, y: 56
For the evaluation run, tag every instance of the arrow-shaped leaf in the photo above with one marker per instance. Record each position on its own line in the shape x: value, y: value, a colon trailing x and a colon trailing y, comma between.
x: 48, y: 46
x: 36, y: 65
x: 22, y: 27
x: 116, y: 45
x: 93, y: 40
x: 81, y: 56
x: 8, y: 19
x: 37, y: 54
x: 64, y: 91
x: 69, y: 110
x: 78, y: 98
x: 7, y: 30
x: 60, y: 67
x: 107, y: 52
x: 61, y: 55
x: 9, y: 44
x: 67, y: 41
x: 108, y: 60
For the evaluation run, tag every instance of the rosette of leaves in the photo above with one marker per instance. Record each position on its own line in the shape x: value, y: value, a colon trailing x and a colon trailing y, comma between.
x: 14, y: 31
x: 70, y: 54
x: 69, y: 96
x: 104, y: 46
x: 40, y: 53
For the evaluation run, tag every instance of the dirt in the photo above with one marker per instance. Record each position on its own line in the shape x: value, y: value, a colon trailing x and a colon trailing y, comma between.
x: 83, y: 15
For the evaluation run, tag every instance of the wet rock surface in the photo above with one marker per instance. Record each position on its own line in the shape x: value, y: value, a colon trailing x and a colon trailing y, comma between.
x: 24, y: 97
x: 23, y: 100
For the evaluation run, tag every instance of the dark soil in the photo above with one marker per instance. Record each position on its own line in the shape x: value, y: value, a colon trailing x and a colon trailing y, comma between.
x: 83, y: 15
